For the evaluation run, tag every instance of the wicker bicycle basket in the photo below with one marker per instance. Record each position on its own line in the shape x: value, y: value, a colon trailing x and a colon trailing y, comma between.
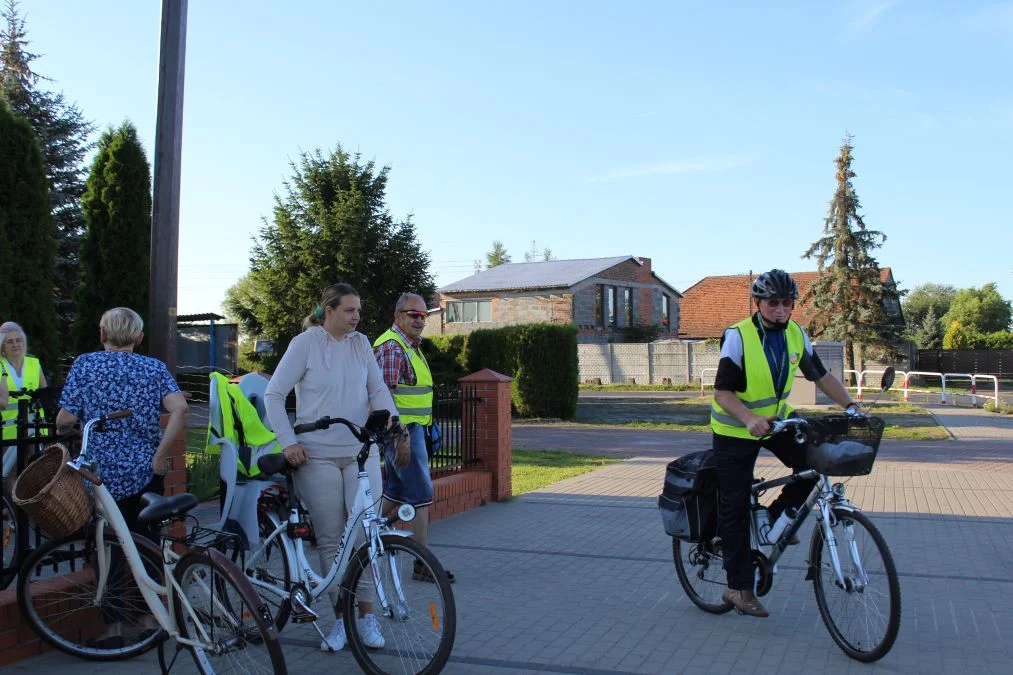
x: 52, y: 494
x: 844, y: 445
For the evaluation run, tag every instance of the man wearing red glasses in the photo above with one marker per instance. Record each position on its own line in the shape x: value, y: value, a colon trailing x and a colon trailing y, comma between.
x: 406, y: 372
x: 759, y: 357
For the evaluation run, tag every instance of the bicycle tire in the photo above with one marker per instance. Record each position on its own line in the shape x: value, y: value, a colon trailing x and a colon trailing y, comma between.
x: 9, y: 534
x: 870, y: 648
x: 435, y: 629
x: 272, y: 567
x: 706, y: 566
x: 68, y: 558
x: 231, y: 613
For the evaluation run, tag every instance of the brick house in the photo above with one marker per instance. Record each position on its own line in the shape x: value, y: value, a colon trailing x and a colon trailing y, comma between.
x: 715, y: 303
x: 602, y: 296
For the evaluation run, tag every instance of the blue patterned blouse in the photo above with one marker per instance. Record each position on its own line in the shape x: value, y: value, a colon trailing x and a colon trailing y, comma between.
x: 104, y: 382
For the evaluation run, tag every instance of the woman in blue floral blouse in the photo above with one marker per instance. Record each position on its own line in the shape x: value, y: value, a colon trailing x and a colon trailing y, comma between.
x: 132, y: 453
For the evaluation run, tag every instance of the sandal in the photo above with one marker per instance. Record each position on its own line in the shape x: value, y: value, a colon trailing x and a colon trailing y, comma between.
x: 744, y: 602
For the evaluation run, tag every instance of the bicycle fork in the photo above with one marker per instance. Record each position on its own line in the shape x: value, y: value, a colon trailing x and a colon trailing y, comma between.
x: 848, y: 583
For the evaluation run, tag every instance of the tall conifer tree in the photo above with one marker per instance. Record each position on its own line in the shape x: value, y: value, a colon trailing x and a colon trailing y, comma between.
x: 26, y: 264
x: 849, y: 294
x: 63, y: 133
x: 115, y: 249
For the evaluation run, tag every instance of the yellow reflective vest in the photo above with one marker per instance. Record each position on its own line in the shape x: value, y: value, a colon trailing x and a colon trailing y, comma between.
x: 241, y: 424
x: 31, y: 376
x: 759, y: 396
x: 414, y: 401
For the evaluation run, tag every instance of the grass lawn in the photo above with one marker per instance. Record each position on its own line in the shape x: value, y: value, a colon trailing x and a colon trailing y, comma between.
x: 682, y: 386
x: 534, y: 469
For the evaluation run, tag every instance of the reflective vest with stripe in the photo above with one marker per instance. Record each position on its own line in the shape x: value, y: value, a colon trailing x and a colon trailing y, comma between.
x: 414, y: 401
x: 759, y: 396
x: 31, y: 374
x: 242, y: 425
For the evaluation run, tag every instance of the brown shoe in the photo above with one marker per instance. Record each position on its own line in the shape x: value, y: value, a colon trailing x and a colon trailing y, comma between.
x: 744, y: 602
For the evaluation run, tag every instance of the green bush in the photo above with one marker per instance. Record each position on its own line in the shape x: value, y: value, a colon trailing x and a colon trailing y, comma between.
x: 542, y: 359
x: 446, y: 355
x: 1001, y: 409
x: 202, y: 475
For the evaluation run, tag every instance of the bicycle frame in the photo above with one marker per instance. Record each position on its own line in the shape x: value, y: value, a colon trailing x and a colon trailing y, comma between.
x: 108, y: 513
x: 300, y: 570
x: 824, y: 497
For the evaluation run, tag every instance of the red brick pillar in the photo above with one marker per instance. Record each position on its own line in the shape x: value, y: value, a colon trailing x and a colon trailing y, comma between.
x: 175, y: 480
x: 494, y: 439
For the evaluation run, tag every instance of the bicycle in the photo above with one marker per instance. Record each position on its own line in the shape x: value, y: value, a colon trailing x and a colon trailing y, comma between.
x: 12, y: 543
x: 72, y: 587
x: 844, y: 578
x: 389, y: 568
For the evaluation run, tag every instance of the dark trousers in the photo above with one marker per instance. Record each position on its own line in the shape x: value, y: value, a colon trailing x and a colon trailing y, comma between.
x: 123, y: 593
x: 735, y: 459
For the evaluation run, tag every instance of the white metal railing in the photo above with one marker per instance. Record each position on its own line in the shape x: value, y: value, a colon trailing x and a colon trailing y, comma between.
x: 703, y: 373
x: 943, y: 377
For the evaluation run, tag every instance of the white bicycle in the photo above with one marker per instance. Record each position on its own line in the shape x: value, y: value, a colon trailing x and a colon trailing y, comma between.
x: 396, y: 577
x: 75, y: 590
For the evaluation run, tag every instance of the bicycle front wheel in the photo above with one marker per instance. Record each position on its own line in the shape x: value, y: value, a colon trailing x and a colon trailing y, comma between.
x: 863, y: 613
x: 222, y: 613
x: 59, y: 596
x: 700, y: 568
x: 10, y: 540
x: 412, y: 605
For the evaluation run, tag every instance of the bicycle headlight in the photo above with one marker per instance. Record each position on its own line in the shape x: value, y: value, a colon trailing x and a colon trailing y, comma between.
x: 406, y: 512
x: 838, y: 489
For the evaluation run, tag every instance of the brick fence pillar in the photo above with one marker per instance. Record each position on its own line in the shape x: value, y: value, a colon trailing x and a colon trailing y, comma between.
x: 494, y: 439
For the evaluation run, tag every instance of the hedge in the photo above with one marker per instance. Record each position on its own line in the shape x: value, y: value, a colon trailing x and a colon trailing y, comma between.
x: 542, y: 359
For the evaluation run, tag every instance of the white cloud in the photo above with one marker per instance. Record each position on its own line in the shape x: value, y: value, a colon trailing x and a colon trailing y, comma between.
x: 678, y: 166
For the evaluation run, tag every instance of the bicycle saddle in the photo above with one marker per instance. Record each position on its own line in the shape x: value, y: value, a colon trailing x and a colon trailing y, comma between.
x: 156, y: 509
x: 273, y: 463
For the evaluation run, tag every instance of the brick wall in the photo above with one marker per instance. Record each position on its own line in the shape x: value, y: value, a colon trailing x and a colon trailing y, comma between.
x: 17, y: 641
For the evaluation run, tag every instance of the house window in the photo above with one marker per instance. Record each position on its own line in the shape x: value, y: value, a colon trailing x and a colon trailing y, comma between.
x: 666, y: 311
x: 599, y: 305
x: 469, y: 311
x: 628, y: 305
x: 610, y: 304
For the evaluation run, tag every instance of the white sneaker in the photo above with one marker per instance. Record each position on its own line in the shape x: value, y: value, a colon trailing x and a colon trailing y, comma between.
x: 369, y: 630
x: 335, y: 640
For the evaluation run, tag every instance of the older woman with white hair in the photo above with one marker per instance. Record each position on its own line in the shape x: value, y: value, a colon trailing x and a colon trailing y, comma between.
x: 132, y: 453
x: 19, y: 371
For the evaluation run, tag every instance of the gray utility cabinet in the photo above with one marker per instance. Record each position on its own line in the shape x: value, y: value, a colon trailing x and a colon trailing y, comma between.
x: 804, y: 392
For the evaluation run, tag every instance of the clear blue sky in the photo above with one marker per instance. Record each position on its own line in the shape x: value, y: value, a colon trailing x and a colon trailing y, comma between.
x: 701, y: 135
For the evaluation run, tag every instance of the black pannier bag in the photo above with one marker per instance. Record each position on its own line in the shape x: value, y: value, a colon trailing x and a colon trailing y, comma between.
x: 689, y: 501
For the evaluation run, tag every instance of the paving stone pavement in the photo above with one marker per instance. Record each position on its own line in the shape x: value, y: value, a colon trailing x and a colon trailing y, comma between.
x: 578, y: 577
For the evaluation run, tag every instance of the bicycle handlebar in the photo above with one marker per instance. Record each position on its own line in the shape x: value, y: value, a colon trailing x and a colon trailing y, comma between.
x: 362, y: 433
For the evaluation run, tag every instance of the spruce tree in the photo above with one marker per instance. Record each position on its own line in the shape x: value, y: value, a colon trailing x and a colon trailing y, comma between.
x: 497, y: 256
x: 331, y: 224
x: 26, y: 265
x: 849, y: 293
x: 63, y: 133
x: 115, y: 249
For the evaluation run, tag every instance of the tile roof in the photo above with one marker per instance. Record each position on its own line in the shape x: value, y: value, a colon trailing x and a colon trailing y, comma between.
x: 545, y: 274
x: 715, y: 303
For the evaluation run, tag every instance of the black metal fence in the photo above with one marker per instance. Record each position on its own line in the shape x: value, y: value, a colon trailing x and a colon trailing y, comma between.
x: 455, y: 409
x: 985, y: 361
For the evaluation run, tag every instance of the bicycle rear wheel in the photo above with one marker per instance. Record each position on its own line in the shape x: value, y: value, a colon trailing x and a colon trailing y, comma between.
x: 226, y: 617
x: 863, y: 615
x: 700, y: 568
x: 57, y: 596
x: 420, y: 621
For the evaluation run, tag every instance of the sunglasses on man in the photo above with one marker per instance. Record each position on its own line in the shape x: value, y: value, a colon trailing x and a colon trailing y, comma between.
x: 414, y: 314
x: 787, y: 303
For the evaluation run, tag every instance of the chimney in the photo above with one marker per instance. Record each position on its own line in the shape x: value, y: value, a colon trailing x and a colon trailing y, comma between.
x: 646, y: 263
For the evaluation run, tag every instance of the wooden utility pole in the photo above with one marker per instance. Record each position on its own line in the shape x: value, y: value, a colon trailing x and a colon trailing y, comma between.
x: 165, y: 199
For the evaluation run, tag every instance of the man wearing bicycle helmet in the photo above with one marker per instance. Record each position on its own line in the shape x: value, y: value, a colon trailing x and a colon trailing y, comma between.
x: 759, y: 358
